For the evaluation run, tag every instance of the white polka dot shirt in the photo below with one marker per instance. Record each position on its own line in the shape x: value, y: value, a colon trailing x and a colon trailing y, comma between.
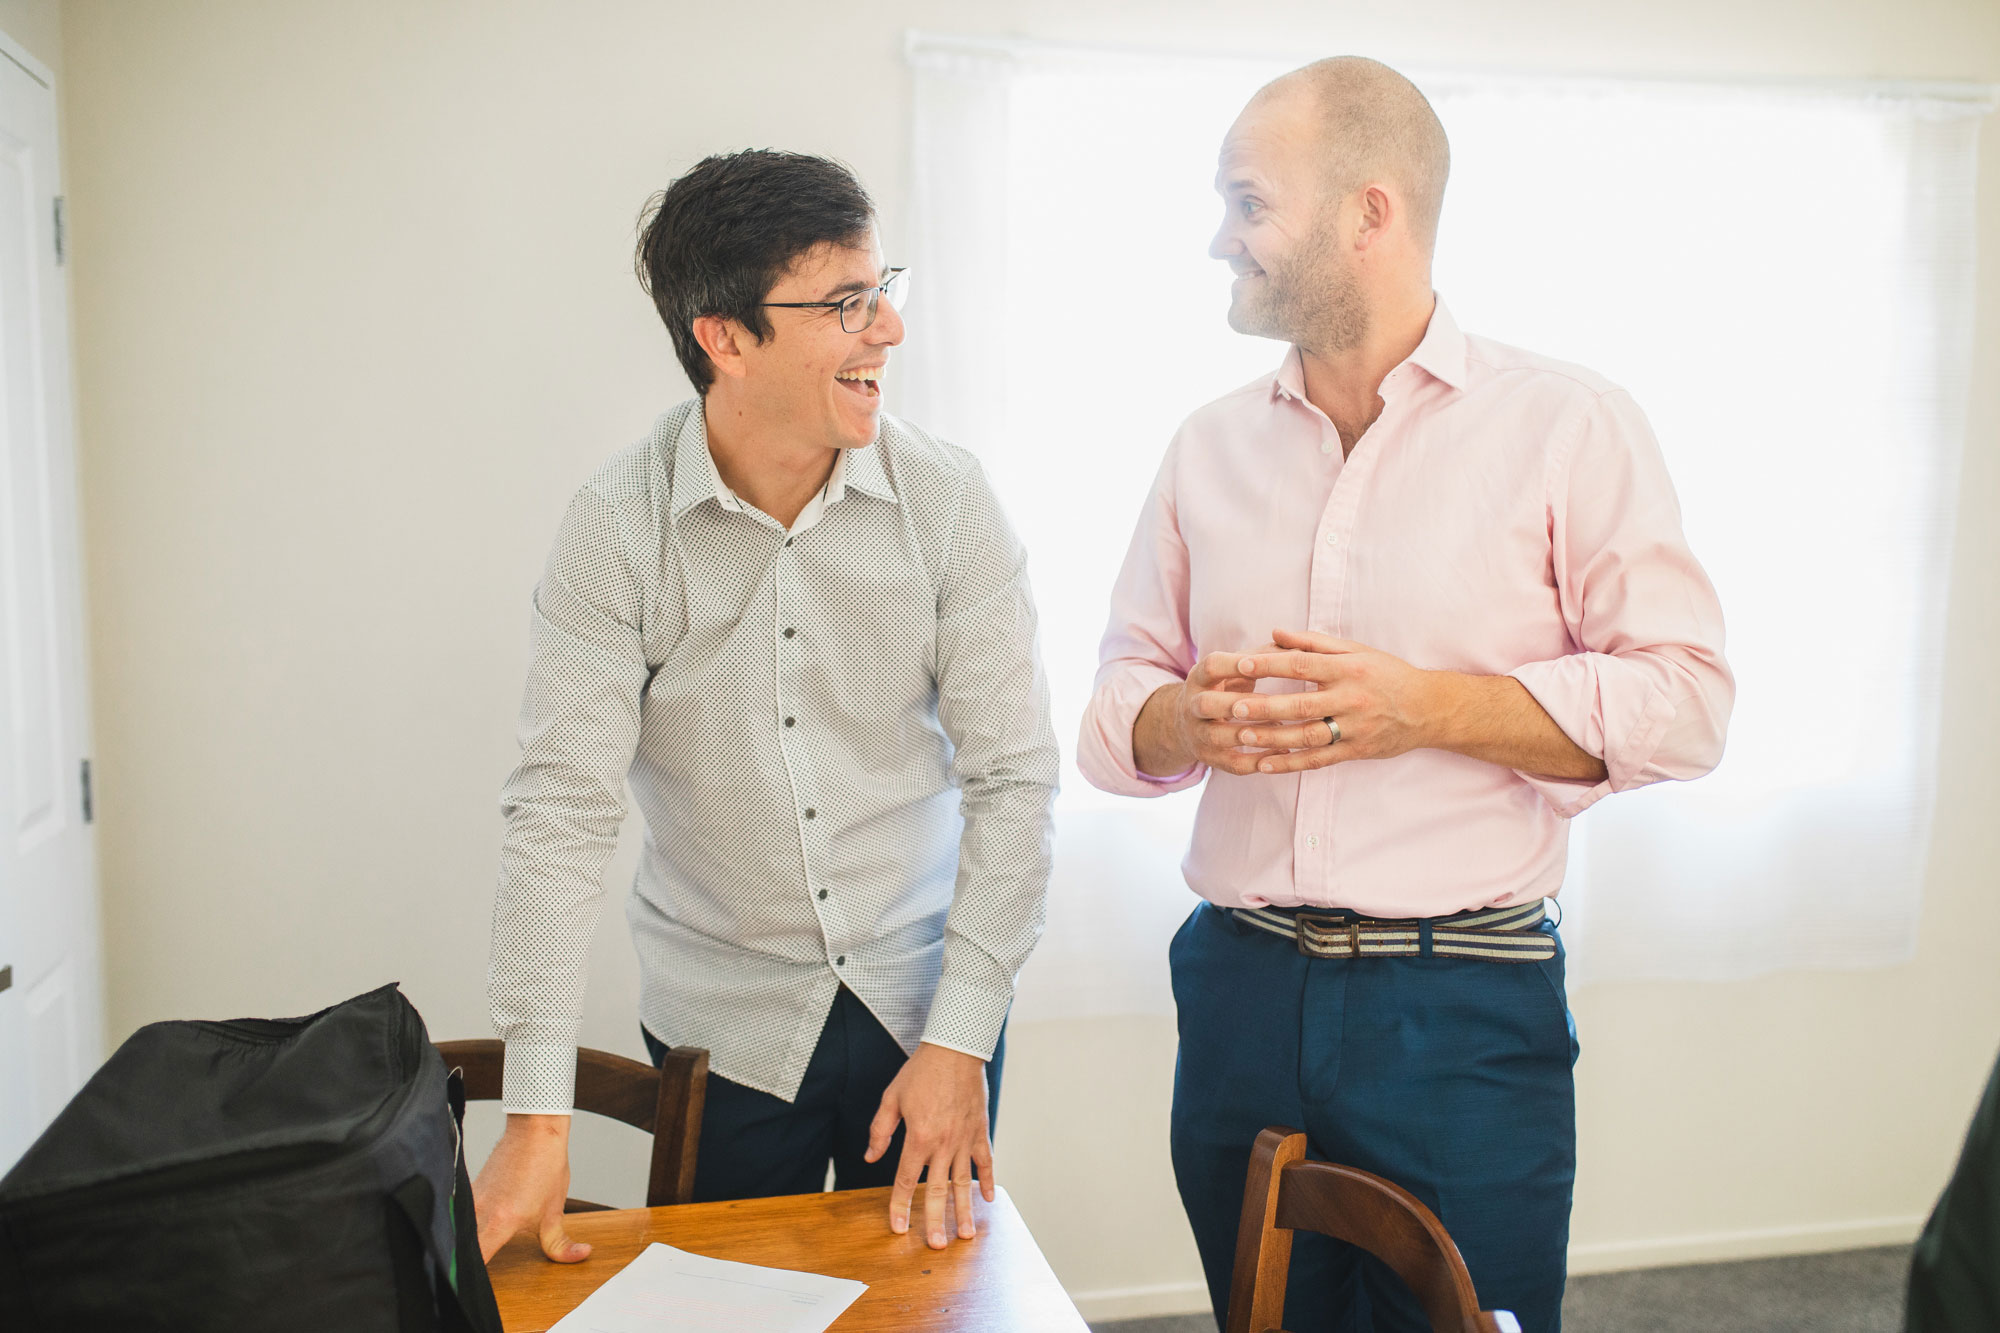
x: 839, y: 738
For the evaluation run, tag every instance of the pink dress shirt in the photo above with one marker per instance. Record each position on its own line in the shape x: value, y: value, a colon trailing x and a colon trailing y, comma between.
x: 1506, y: 514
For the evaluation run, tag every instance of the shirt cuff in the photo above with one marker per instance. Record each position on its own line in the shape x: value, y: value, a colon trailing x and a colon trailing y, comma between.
x: 539, y: 1078
x: 1104, y: 743
x: 1610, y: 711
x: 966, y: 1018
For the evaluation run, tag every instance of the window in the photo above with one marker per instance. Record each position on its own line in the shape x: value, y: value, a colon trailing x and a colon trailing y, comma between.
x: 1782, y: 278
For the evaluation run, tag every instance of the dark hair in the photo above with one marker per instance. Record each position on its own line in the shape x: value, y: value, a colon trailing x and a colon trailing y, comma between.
x: 719, y: 238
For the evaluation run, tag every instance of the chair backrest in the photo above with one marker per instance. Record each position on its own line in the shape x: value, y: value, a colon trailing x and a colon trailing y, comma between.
x: 1286, y: 1193
x: 665, y: 1102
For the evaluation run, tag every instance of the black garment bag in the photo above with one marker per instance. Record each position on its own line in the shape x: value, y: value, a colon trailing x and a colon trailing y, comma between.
x: 292, y: 1174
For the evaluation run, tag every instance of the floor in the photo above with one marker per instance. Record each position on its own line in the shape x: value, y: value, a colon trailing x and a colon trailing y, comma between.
x: 1855, y: 1291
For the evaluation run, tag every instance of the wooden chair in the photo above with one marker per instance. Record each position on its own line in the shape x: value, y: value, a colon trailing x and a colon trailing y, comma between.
x: 1286, y: 1193
x: 665, y: 1102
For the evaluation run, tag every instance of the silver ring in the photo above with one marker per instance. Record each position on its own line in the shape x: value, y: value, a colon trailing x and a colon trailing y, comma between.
x: 1332, y: 731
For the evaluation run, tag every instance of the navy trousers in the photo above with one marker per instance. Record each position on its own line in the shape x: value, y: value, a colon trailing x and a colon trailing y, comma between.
x: 754, y: 1145
x: 1449, y: 1076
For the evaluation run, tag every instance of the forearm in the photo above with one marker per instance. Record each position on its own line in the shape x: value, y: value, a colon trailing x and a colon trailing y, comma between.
x: 1496, y: 719
x: 1000, y: 896
x: 551, y: 1131
x: 1160, y: 748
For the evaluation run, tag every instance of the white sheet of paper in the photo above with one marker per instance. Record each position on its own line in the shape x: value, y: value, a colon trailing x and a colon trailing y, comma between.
x: 665, y: 1288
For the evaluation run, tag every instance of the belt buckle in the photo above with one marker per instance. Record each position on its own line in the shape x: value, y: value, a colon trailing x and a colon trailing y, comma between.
x: 1307, y: 922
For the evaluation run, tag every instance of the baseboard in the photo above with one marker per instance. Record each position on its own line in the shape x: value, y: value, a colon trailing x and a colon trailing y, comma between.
x: 1755, y: 1243
x: 1171, y: 1298
x: 1142, y: 1302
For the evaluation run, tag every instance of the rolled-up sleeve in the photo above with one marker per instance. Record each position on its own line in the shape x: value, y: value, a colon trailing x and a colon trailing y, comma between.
x: 565, y: 801
x: 1147, y: 643
x: 1647, y: 690
x: 993, y: 703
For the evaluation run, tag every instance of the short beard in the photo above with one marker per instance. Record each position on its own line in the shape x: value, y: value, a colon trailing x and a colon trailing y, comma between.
x: 1312, y: 300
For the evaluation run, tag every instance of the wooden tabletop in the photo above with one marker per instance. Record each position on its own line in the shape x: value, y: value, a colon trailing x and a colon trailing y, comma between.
x: 998, y: 1280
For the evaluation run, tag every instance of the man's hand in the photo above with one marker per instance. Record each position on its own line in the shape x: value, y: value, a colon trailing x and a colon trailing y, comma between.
x: 523, y: 1187
x: 940, y: 1096
x: 1185, y: 724
x: 1383, y: 706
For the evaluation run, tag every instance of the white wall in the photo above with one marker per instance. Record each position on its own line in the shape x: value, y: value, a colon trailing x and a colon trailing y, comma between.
x: 354, y: 317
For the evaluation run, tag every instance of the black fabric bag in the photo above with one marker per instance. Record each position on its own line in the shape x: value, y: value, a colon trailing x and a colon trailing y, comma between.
x: 293, y: 1174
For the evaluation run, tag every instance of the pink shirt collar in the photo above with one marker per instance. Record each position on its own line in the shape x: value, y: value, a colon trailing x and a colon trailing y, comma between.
x: 1441, y: 354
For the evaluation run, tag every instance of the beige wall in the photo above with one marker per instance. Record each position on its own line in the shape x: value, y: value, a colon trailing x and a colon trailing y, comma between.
x: 354, y: 316
x: 37, y: 26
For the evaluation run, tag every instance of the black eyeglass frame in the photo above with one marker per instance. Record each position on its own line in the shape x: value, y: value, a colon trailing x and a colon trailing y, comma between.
x: 874, y: 295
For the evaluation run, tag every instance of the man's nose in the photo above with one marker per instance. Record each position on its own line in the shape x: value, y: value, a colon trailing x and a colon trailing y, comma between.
x: 887, y: 330
x: 1224, y: 244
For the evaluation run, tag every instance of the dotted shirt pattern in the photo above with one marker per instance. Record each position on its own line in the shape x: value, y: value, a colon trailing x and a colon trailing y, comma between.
x: 839, y: 738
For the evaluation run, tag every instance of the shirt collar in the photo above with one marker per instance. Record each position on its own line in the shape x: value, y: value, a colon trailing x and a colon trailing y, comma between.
x: 695, y: 477
x: 862, y: 469
x: 1441, y: 354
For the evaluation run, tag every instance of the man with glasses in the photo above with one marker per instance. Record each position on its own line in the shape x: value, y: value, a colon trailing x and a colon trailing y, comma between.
x: 801, y: 629
x: 1406, y: 604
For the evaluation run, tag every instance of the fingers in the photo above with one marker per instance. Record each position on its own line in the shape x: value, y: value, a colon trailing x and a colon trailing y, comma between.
x: 1314, y: 643
x: 1311, y: 705
x: 937, y: 1189
x: 1289, y: 665
x: 961, y: 1188
x: 1213, y: 669
x: 908, y: 1168
x: 1286, y: 736
x: 882, y: 1129
x: 556, y: 1243
x: 982, y: 1157
x: 1212, y: 704
x: 1299, y: 761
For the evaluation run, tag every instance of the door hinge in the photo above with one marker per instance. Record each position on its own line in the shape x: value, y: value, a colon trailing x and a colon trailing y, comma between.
x: 62, y: 234
x: 88, y: 812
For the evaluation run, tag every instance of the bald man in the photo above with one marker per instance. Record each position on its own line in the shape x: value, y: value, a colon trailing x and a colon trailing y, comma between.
x: 1405, y: 606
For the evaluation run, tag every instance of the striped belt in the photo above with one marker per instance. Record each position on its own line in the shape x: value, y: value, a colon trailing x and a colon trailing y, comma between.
x: 1502, y: 934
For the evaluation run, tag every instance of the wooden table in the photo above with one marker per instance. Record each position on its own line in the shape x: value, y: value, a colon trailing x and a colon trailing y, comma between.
x: 996, y: 1281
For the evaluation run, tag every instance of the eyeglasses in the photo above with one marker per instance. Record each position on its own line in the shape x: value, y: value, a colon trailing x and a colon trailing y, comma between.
x: 857, y: 312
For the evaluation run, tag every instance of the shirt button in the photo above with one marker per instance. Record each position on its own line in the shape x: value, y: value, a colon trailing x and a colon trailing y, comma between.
x: 789, y: 631
x: 789, y: 540
x: 1326, y: 447
x: 788, y: 721
x: 822, y: 894
x: 1332, y: 539
x: 810, y: 812
x: 840, y: 961
x: 1312, y: 840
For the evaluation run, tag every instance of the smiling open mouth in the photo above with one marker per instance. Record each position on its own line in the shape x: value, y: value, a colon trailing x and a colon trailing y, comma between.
x: 866, y: 381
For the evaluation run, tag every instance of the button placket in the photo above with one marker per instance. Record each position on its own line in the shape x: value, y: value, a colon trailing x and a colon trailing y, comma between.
x: 785, y: 597
x: 1320, y: 789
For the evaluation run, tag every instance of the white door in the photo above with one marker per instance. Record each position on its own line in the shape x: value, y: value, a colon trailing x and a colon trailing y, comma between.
x: 51, y: 1010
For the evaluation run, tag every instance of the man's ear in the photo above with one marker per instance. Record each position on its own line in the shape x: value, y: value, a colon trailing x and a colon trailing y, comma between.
x: 1376, y: 210
x: 723, y: 340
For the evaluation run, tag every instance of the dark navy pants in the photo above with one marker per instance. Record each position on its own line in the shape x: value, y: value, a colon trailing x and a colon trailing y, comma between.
x: 1449, y: 1076
x: 754, y: 1145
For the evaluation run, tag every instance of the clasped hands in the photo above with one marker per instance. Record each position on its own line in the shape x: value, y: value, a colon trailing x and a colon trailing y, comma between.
x: 1381, y: 704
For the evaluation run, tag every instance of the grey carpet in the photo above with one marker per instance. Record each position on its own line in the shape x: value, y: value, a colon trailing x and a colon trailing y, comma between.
x: 1855, y: 1291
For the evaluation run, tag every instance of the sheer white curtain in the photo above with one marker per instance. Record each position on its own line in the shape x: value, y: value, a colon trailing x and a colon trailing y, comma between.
x: 1781, y: 277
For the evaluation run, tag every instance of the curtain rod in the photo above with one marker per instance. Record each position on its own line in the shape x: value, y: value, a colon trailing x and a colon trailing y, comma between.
x: 1963, y: 95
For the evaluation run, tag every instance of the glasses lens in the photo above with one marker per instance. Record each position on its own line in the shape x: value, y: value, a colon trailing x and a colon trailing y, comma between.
x: 857, y: 312
x: 898, y: 289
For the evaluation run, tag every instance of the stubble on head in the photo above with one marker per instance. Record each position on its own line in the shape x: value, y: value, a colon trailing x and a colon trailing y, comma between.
x: 1341, y: 123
